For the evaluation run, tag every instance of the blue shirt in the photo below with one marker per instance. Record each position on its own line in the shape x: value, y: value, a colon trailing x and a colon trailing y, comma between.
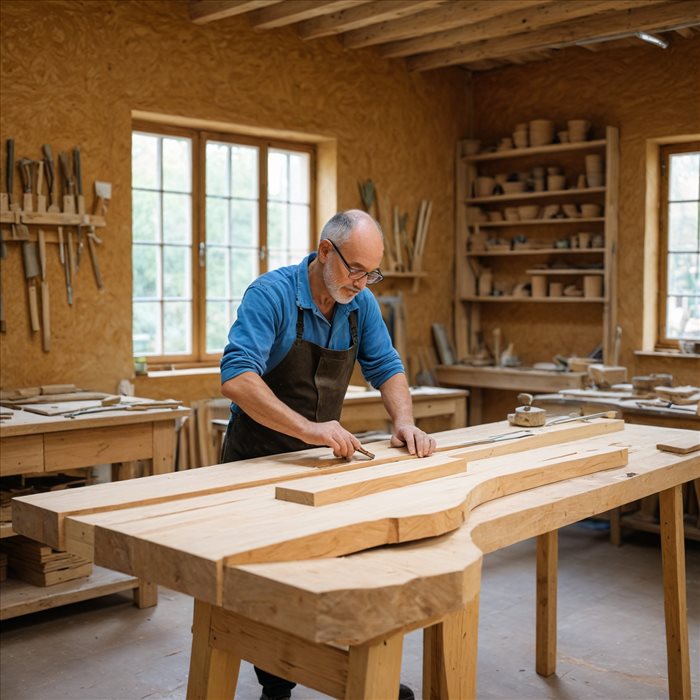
x: 266, y: 327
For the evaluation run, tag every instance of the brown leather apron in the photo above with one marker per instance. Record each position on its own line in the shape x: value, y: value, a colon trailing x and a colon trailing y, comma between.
x: 311, y: 380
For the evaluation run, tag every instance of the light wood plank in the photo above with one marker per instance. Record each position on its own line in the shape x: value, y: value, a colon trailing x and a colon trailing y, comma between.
x: 453, y: 14
x: 520, y: 21
x: 320, y: 491
x: 205, y: 11
x: 363, y: 16
x: 662, y: 17
x: 682, y: 446
x: 291, y: 11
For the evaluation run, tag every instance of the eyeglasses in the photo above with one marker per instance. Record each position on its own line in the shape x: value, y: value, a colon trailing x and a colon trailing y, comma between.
x: 355, y: 273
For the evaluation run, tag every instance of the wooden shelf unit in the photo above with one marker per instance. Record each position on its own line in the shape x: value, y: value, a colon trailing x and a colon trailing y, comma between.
x: 467, y: 302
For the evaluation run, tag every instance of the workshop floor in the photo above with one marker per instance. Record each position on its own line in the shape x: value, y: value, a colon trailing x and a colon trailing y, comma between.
x: 611, y: 640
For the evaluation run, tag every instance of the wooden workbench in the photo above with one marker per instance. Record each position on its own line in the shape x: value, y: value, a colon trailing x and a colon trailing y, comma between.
x: 505, y: 378
x: 35, y: 444
x: 337, y: 624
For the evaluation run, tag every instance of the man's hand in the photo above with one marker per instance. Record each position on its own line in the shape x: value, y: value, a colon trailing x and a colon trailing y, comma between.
x: 417, y: 442
x: 333, y: 435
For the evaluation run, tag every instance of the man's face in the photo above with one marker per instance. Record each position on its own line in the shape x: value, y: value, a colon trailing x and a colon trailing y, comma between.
x: 358, y: 253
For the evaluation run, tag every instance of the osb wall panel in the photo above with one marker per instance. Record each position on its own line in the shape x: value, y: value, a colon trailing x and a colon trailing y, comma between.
x: 645, y: 92
x: 73, y: 71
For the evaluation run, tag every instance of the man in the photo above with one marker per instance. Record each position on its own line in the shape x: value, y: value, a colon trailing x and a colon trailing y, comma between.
x: 291, y: 353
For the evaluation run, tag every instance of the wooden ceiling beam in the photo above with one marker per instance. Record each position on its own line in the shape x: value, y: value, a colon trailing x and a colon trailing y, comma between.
x: 363, y: 16
x: 522, y: 20
x: 452, y: 14
x: 204, y: 11
x: 292, y: 11
x: 662, y: 17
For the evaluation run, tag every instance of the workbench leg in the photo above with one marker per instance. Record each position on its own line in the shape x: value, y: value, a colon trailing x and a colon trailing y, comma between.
x: 163, y: 448
x: 459, y: 417
x: 374, y: 669
x: 449, y: 655
x: 546, y: 646
x: 675, y: 604
x: 616, y: 526
x: 475, y: 403
x: 146, y: 594
x: 213, y: 672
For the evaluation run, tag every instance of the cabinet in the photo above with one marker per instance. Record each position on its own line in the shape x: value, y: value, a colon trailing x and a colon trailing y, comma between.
x: 520, y: 274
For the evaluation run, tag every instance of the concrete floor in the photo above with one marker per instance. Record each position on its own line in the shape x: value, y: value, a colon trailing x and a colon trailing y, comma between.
x: 611, y: 640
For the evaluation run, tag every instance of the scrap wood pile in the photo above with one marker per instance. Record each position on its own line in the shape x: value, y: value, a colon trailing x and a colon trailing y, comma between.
x: 403, y: 250
x: 41, y: 565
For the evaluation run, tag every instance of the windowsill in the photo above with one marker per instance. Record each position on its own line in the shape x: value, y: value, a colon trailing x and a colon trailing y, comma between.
x: 667, y: 353
x: 190, y: 371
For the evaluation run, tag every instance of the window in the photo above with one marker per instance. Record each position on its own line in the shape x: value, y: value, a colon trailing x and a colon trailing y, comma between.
x: 679, y: 274
x: 211, y: 212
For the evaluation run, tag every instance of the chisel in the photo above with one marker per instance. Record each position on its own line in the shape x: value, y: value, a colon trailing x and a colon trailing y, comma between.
x: 45, y: 312
x: 31, y: 270
x: 61, y: 250
x: 81, y: 203
x: 40, y: 196
x: 68, y: 267
x: 68, y: 184
x: 50, y: 177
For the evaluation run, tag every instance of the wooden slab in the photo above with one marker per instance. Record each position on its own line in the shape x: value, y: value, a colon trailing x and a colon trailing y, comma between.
x: 361, y: 597
x: 681, y: 446
x: 41, y: 516
x: 187, y: 550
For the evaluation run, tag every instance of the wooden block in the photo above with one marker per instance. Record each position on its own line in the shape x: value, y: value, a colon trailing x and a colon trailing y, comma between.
x: 322, y: 490
x: 682, y: 445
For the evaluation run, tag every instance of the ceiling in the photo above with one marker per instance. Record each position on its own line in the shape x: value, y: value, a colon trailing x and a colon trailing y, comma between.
x: 474, y: 34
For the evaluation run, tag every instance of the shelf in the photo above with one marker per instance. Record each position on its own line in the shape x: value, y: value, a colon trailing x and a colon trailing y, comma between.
x: 536, y: 222
x: 20, y: 598
x: 537, y: 150
x: 495, y: 198
x: 405, y: 275
x: 565, y: 271
x: 551, y: 300
x: 49, y: 219
x: 534, y: 251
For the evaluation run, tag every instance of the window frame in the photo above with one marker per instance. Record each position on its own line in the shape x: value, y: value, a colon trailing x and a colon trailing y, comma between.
x: 199, y: 138
x: 663, y: 342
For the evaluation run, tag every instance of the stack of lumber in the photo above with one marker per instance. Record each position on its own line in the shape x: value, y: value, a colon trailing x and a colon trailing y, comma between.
x: 41, y: 565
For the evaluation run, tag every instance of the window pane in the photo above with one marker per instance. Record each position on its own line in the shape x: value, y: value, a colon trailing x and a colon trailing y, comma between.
x: 244, y: 266
x: 218, y: 324
x: 299, y: 230
x: 684, y: 179
x: 217, y: 273
x: 683, y: 273
x: 683, y: 226
x: 145, y: 265
x: 145, y: 217
x: 146, y: 333
x: 177, y: 218
x: 177, y: 281
x: 299, y: 178
x: 217, y: 221
x: 217, y: 169
x: 683, y: 318
x: 178, y: 328
x: 244, y: 220
x: 277, y: 234
x: 278, y: 187
x: 277, y: 258
x: 177, y: 165
x: 144, y: 161
x: 244, y: 170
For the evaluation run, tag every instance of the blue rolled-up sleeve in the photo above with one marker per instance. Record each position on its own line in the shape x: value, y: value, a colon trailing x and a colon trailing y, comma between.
x: 377, y: 356
x: 252, y: 335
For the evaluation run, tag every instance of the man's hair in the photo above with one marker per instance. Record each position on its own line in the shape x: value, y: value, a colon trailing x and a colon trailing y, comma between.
x: 339, y: 227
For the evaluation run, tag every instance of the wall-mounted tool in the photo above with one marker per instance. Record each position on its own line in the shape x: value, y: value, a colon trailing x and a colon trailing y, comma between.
x: 9, y: 181
x: 31, y: 272
x: 68, y: 184
x: 103, y: 193
x: 3, y: 255
x: 45, y: 312
x: 65, y: 261
x: 81, y: 202
x: 527, y: 415
x: 93, y: 242
x: 50, y: 177
x: 40, y: 196
x: 26, y: 169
